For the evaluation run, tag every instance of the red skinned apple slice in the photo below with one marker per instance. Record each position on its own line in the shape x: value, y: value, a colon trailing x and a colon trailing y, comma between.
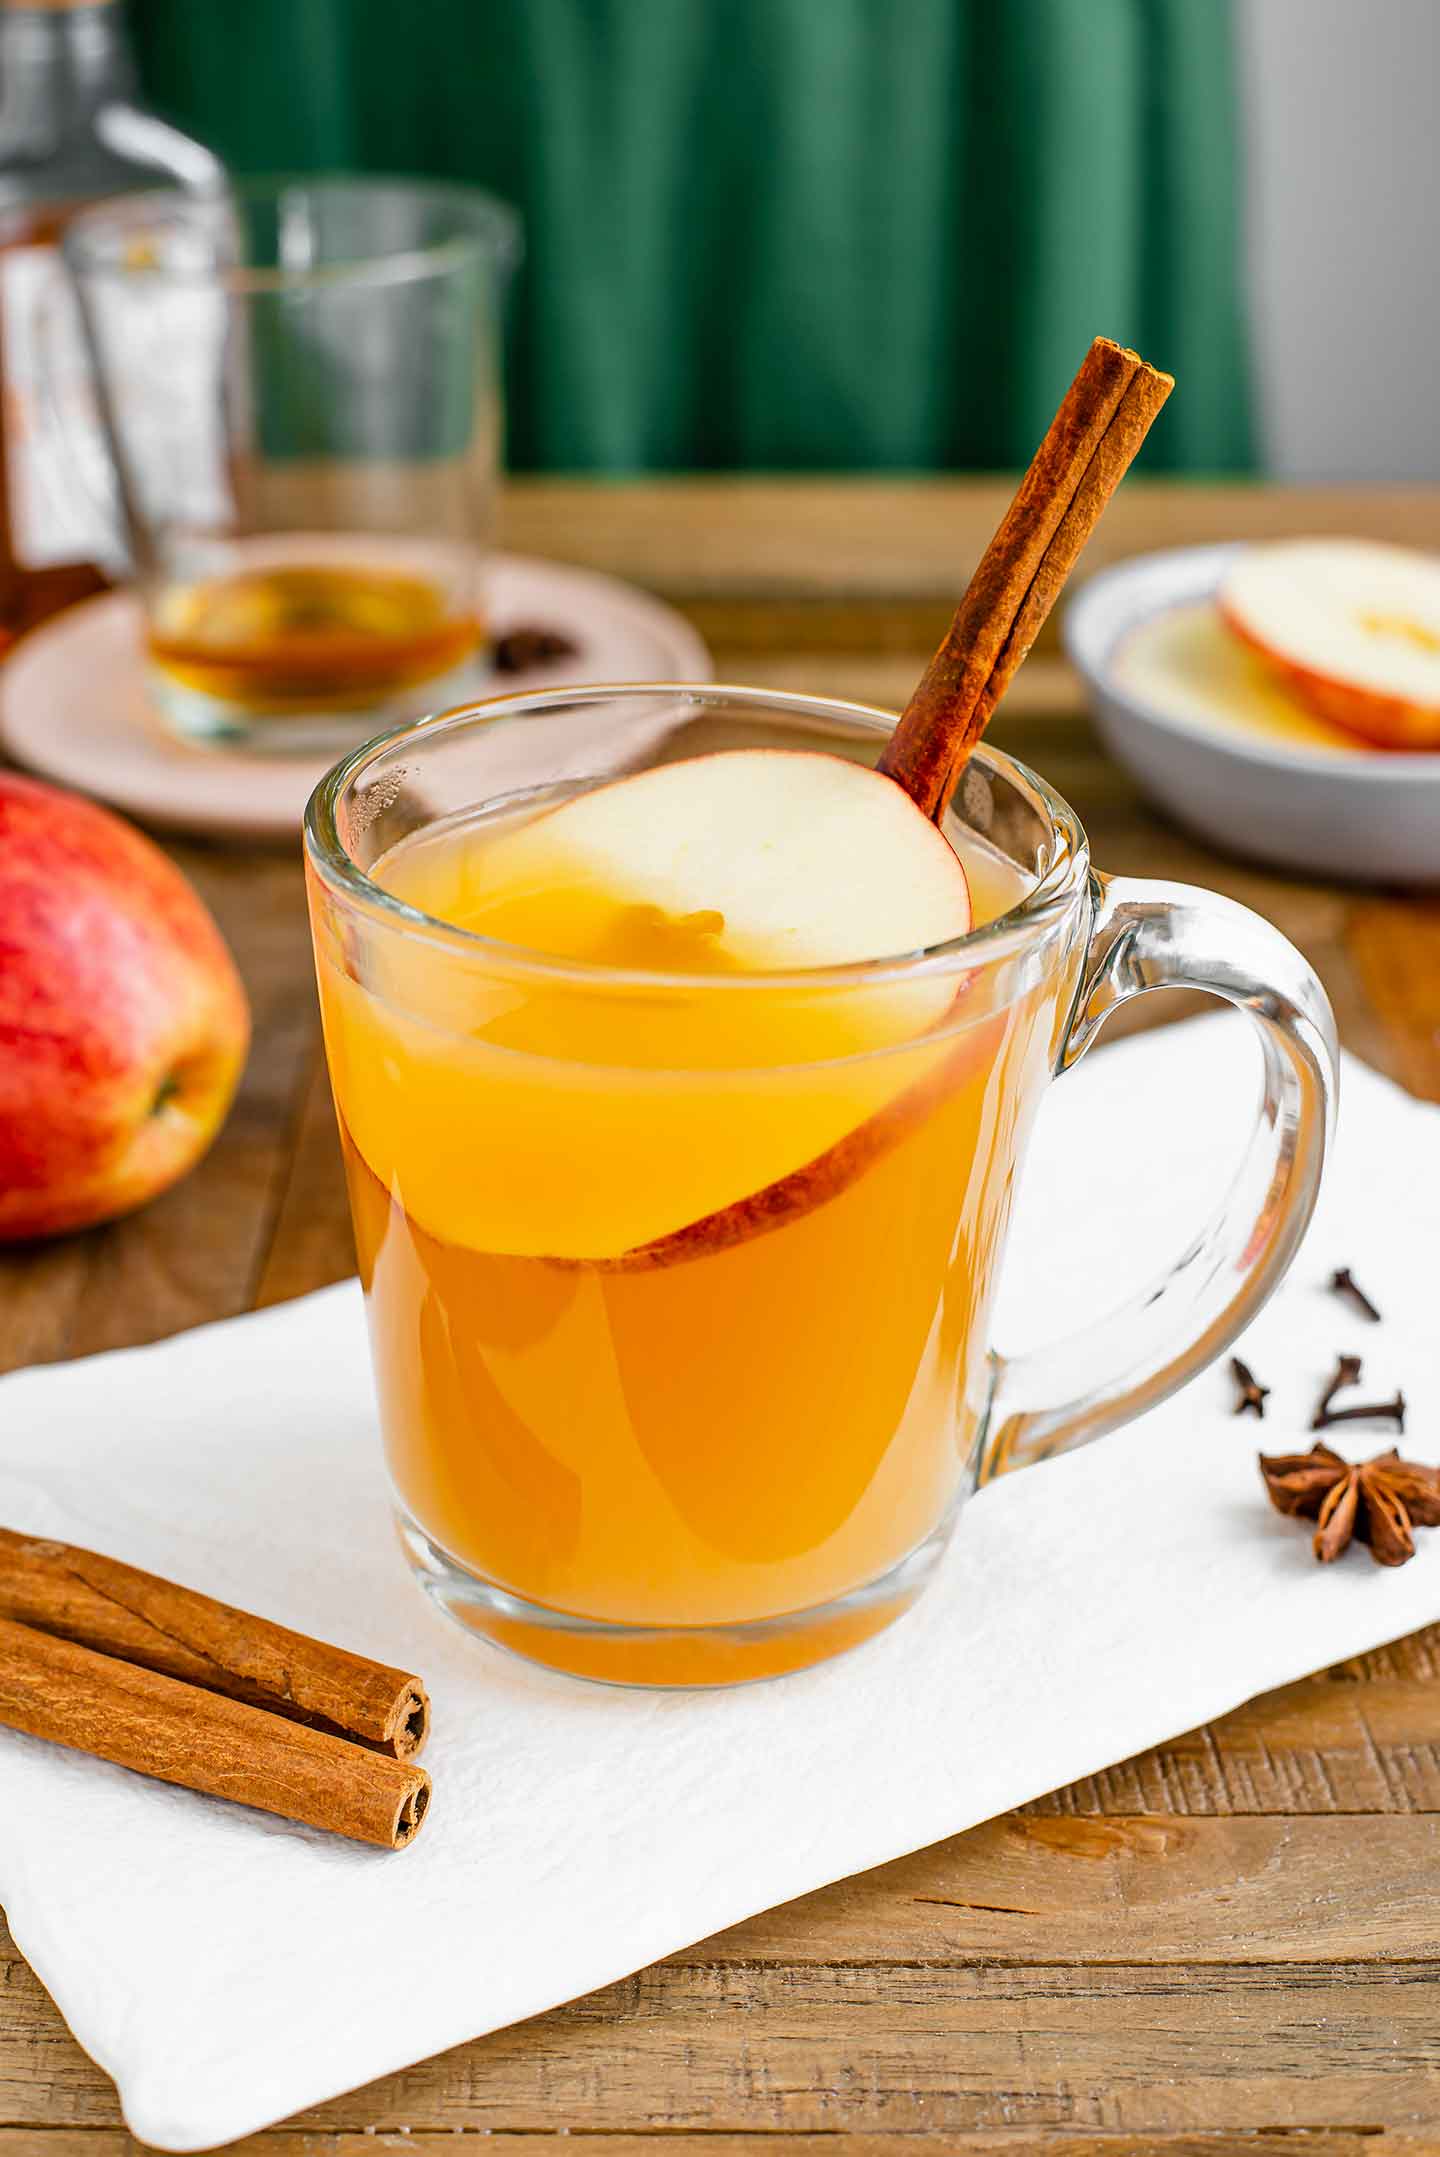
x: 751, y: 860
x: 1351, y: 627
x: 824, y: 1178
x: 843, y: 898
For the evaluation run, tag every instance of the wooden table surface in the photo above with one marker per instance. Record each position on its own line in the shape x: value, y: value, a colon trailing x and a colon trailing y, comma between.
x: 1230, y: 1943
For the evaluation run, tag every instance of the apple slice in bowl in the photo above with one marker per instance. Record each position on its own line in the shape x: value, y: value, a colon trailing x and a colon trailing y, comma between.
x: 1218, y: 738
x: 1352, y: 627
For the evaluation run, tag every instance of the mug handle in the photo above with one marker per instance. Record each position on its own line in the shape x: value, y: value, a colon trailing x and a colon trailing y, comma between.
x: 1162, y: 936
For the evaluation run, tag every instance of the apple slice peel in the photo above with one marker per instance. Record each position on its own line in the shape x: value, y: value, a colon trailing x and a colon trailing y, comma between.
x: 1351, y: 627
x: 811, y: 861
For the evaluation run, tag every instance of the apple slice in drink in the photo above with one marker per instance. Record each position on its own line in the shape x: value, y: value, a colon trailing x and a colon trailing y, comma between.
x: 1353, y: 629
x: 748, y: 860
x: 1101, y: 422
x: 759, y: 861
x: 625, y: 1122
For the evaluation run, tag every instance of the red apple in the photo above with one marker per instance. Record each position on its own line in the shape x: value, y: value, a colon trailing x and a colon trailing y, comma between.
x: 123, y: 1024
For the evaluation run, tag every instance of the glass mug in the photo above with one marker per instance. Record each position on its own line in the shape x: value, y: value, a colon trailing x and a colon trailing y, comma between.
x: 724, y: 1455
x: 298, y: 390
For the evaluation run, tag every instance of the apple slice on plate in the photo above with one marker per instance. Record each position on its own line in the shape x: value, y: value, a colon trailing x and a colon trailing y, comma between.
x: 1351, y: 626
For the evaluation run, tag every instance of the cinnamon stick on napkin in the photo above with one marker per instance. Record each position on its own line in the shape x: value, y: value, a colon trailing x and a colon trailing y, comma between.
x: 152, y: 1676
x: 118, y: 1610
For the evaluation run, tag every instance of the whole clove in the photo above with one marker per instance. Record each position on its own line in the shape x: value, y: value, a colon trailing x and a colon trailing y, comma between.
x: 1252, y: 1395
x: 529, y: 646
x: 1364, y: 1412
x: 1344, y: 1283
x: 1346, y: 1373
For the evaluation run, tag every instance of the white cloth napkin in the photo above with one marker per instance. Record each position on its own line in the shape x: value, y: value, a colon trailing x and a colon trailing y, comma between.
x: 227, y: 1969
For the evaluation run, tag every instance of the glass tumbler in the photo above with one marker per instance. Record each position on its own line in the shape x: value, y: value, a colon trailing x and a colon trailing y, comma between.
x: 299, y: 404
x: 679, y: 1285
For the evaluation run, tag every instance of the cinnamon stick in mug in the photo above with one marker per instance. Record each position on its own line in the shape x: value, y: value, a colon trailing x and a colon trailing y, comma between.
x: 1088, y: 447
x: 118, y: 1610
x: 185, y: 1734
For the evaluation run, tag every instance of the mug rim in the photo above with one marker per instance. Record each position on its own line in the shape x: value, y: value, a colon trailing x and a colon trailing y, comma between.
x: 495, y: 233
x: 337, y: 869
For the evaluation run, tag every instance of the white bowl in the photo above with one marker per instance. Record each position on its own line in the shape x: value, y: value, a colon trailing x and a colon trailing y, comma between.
x: 1371, y: 817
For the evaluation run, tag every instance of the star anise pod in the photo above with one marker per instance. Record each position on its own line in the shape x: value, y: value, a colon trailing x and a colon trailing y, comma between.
x: 1377, y: 1501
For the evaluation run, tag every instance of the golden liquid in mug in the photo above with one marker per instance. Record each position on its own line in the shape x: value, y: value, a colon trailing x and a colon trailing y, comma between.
x: 298, y: 637
x: 758, y: 1430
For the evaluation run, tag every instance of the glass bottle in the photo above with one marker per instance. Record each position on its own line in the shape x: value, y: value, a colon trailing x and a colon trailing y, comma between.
x: 71, y: 132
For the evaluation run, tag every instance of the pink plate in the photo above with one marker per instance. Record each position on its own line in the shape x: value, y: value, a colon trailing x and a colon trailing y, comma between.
x: 74, y: 704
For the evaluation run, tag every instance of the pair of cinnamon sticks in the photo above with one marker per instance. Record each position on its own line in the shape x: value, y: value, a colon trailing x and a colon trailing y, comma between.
x: 113, y: 1661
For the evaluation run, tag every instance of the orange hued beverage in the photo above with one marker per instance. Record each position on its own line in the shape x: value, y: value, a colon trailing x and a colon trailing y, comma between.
x: 601, y: 1417
x: 294, y: 636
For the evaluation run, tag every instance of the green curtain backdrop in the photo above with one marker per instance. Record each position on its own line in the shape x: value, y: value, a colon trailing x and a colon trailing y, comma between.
x: 784, y: 233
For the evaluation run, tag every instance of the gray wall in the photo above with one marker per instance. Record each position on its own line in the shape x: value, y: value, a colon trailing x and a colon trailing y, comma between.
x: 1342, y: 119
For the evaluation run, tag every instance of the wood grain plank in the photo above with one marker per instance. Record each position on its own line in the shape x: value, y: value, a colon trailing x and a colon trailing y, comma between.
x: 817, y: 2048
x: 193, y: 1254
x: 1154, y: 1890
x: 1031, y: 1889
x: 1057, y: 1903
x: 1314, y: 1747
x: 1396, y: 947
x: 881, y: 671
x: 291, y: 2141
x: 777, y: 540
x: 732, y: 2049
x: 40, y: 1290
x: 310, y: 1243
